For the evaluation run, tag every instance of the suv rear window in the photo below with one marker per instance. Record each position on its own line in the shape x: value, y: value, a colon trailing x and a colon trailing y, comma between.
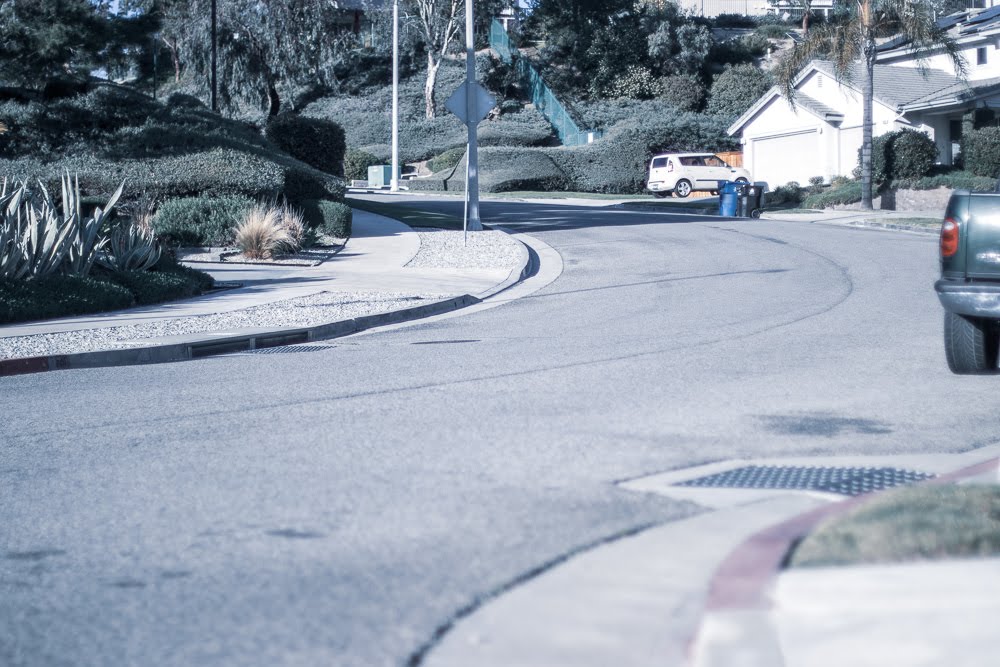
x: 659, y: 162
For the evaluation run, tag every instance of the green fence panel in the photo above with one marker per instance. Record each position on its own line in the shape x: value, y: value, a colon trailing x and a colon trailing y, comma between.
x: 540, y: 94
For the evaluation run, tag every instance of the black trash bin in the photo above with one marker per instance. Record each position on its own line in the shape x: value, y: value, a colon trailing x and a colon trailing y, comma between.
x: 751, y: 201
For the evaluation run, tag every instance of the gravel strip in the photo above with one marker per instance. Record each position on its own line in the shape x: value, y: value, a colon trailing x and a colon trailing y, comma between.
x: 446, y: 249
x: 300, y: 312
x: 441, y: 249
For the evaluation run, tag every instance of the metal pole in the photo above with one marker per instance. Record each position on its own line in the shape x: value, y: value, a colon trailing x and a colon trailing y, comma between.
x: 394, y: 183
x: 472, y: 221
x: 215, y: 88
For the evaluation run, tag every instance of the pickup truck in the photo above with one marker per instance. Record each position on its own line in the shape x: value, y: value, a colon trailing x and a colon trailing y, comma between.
x: 969, y: 287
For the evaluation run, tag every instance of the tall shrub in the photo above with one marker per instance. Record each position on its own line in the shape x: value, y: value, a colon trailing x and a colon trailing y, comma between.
x: 317, y: 142
x: 981, y: 151
x: 901, y: 154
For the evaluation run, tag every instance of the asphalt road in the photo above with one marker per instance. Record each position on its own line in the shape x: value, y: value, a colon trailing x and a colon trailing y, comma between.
x: 338, y: 507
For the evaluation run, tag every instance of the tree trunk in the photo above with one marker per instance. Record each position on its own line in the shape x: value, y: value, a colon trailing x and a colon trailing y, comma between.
x: 805, y: 22
x: 274, y: 101
x: 866, y: 130
x: 432, y: 70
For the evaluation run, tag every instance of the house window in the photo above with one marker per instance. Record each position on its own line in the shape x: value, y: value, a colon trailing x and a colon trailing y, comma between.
x: 981, y: 55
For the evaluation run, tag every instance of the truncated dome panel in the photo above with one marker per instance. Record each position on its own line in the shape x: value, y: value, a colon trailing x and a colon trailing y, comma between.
x: 845, y: 481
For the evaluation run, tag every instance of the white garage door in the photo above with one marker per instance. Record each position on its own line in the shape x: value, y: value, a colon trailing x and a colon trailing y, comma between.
x: 789, y: 157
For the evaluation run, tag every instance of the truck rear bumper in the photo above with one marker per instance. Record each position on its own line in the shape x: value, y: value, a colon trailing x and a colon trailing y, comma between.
x: 970, y: 299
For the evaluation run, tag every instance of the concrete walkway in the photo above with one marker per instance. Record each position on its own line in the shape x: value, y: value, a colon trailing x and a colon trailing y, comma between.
x: 374, y: 259
x: 665, y: 597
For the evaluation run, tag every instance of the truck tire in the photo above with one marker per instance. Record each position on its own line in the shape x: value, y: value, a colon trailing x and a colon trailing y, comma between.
x: 970, y: 344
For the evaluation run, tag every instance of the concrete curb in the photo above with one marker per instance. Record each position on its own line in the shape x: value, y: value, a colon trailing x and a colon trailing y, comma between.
x: 738, y: 598
x: 202, y: 345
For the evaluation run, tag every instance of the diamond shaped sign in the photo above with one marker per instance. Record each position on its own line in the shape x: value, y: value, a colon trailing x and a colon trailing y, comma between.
x: 458, y: 102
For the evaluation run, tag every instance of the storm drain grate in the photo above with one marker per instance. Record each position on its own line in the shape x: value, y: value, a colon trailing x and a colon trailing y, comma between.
x: 845, y: 481
x: 291, y: 349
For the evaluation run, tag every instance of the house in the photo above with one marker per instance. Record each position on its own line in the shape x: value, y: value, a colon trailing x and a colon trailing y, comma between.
x: 820, y: 134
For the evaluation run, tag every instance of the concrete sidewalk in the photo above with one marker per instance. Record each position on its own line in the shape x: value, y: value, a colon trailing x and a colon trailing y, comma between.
x: 927, y: 222
x: 374, y: 261
x: 697, y: 592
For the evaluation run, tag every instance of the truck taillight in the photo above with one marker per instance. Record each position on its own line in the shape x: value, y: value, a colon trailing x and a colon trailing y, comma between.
x: 949, y: 237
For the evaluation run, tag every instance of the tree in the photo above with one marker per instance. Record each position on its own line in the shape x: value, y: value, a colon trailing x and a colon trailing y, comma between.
x: 439, y: 21
x: 40, y: 39
x: 853, y: 36
x: 736, y: 88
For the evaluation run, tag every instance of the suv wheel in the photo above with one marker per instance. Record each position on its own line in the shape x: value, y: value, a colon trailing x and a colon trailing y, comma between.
x: 970, y: 344
x: 682, y: 189
x: 660, y: 194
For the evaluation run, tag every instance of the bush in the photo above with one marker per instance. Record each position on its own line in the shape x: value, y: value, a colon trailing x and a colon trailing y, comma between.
x: 149, y: 287
x: 956, y: 180
x: 901, y: 154
x: 618, y: 162
x: 511, y: 169
x: 685, y: 92
x: 447, y: 160
x: 847, y: 193
x: 59, y: 296
x: 772, y: 31
x: 201, y: 220
x: 981, y: 152
x: 356, y: 163
x: 334, y: 218
x: 789, y: 193
x: 736, y: 89
x: 734, y: 21
x: 318, y: 142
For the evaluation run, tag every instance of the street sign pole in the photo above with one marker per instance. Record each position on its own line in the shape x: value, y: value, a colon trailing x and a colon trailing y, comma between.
x: 472, y: 221
x: 394, y: 183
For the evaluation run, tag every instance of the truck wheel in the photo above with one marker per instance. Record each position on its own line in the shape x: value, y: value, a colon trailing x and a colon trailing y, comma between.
x: 682, y: 189
x: 970, y: 344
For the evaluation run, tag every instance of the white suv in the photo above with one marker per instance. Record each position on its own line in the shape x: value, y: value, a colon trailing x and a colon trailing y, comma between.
x: 682, y: 173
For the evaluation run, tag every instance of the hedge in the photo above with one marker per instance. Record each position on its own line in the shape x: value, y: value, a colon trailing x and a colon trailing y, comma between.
x: 59, y: 296
x: 66, y: 295
x: 201, y: 220
x: 901, y: 154
x: 956, y: 180
x: 149, y: 287
x: 334, y: 218
x: 356, y: 163
x: 981, y: 152
x: 847, y: 193
x: 179, y: 148
x: 318, y: 142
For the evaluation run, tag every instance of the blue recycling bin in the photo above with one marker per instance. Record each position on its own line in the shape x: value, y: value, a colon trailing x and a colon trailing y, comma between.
x: 728, y: 198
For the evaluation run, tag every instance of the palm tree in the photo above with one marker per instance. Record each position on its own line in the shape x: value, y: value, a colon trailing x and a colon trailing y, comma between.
x: 854, y: 36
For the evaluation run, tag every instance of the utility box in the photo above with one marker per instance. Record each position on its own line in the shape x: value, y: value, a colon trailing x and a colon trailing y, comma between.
x: 380, y: 176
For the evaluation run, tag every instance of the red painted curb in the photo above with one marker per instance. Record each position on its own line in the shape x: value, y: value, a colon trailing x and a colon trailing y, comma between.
x: 744, y: 578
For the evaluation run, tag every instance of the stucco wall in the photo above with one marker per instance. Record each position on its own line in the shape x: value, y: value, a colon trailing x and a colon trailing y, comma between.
x: 943, y: 62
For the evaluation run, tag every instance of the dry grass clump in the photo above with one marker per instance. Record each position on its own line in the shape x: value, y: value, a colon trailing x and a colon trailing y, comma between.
x: 271, y: 229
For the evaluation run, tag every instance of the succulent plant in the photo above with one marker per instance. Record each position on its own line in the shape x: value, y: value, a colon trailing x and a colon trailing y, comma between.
x: 130, y: 247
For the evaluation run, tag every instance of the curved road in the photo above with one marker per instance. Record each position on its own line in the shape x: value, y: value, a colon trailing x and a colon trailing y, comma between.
x: 339, y: 506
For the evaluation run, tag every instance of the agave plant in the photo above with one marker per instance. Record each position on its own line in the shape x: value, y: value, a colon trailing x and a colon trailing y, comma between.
x: 87, y: 242
x: 13, y: 239
x: 49, y: 236
x: 131, y: 247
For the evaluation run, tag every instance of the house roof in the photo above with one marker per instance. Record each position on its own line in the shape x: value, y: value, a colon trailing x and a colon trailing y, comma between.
x: 818, y: 108
x: 957, y: 93
x: 896, y: 87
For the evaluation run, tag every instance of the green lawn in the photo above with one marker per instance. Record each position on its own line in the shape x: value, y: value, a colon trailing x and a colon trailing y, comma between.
x: 411, y: 213
x: 914, y: 523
